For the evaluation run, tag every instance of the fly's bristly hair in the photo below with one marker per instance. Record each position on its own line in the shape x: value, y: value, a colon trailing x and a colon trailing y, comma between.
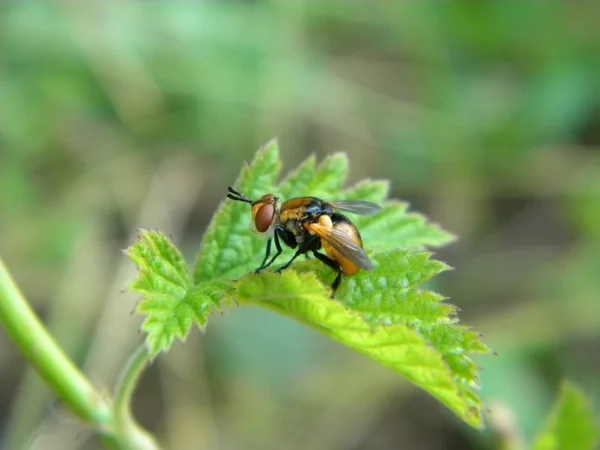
x: 235, y: 195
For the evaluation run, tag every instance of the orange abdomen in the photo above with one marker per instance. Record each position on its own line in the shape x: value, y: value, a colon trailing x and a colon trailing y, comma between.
x: 348, y: 268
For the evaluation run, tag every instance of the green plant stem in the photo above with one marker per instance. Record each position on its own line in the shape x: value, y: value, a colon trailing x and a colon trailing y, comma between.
x: 114, y: 423
x: 128, y: 381
x: 47, y: 358
x: 124, y: 421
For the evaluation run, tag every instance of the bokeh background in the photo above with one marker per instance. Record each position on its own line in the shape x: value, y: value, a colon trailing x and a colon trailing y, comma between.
x: 484, y: 115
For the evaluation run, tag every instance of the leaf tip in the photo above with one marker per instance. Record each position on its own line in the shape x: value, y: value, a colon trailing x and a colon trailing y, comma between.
x: 271, y: 148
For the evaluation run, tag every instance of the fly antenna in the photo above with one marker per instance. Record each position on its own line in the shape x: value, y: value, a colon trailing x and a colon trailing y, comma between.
x: 235, y: 195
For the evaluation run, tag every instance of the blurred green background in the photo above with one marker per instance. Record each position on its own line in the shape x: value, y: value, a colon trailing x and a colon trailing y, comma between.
x: 485, y: 116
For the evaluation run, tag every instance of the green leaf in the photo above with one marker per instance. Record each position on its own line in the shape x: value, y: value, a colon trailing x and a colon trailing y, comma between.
x: 171, y: 302
x: 397, y: 346
x: 570, y: 424
x: 383, y: 314
x: 388, y: 298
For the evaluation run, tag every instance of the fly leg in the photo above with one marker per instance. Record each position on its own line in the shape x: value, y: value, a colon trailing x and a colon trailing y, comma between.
x: 264, y: 264
x: 267, y: 254
x: 306, y: 246
x: 335, y: 266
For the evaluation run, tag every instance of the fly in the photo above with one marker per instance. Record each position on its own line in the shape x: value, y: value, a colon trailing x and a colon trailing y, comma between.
x: 309, y: 224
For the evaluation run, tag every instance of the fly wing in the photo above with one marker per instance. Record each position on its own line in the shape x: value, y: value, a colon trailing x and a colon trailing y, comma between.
x: 343, y: 244
x: 359, y: 207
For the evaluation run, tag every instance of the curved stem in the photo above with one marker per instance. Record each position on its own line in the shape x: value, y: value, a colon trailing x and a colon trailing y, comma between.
x: 124, y: 422
x: 127, y: 383
x: 47, y: 358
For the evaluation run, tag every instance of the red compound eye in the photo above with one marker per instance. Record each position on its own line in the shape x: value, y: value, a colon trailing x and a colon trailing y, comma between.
x: 264, y: 217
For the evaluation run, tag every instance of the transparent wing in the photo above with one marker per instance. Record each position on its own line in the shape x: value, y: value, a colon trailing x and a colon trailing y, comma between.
x: 357, y: 207
x: 343, y: 244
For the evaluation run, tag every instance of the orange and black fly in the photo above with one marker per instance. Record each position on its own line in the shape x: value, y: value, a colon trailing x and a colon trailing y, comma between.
x: 310, y: 224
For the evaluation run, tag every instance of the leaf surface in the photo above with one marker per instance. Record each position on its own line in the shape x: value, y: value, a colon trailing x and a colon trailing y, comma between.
x: 170, y: 300
x: 386, y: 314
x: 397, y: 346
x: 571, y: 423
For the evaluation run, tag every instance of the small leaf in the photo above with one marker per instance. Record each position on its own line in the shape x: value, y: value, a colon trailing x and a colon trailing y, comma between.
x: 170, y: 301
x: 570, y: 424
x: 303, y: 297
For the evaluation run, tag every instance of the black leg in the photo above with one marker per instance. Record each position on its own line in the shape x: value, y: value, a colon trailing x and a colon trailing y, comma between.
x: 336, y: 283
x: 335, y: 266
x: 306, y: 246
x: 267, y: 253
x: 277, y: 246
